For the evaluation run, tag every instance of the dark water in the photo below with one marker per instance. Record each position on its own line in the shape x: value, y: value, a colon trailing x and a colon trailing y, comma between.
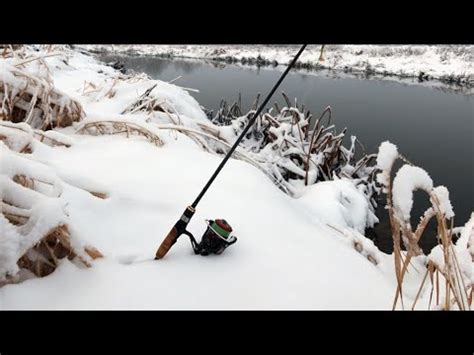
x: 433, y: 128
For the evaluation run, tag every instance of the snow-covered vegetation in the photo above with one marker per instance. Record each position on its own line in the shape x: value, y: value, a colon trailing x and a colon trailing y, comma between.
x: 450, y: 64
x: 451, y: 262
x: 96, y: 165
x: 33, y: 219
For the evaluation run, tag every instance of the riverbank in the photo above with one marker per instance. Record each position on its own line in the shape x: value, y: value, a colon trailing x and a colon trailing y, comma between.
x: 450, y: 65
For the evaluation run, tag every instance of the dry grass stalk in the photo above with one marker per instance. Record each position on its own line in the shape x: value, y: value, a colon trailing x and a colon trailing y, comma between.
x: 292, y: 146
x: 24, y: 181
x: 149, y: 104
x: 120, y: 127
x: 101, y: 195
x: 356, y: 241
x: 40, y: 58
x: 18, y: 206
x: 201, y: 138
x: 142, y: 101
x: 11, y: 133
x: 36, y: 101
x: 93, y: 252
x: 43, y: 258
x: 456, y: 292
x: 42, y: 137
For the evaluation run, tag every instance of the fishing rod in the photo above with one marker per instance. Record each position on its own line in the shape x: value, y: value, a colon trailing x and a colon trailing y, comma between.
x: 180, y: 226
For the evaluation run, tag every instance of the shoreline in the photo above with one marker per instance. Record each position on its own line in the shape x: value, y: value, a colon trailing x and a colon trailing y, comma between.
x: 420, y: 69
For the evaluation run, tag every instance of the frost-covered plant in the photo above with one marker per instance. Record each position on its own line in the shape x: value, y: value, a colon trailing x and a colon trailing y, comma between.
x: 21, y: 138
x: 360, y: 243
x: 293, y: 147
x: 34, y: 231
x: 444, y: 258
x: 122, y: 127
x: 28, y: 94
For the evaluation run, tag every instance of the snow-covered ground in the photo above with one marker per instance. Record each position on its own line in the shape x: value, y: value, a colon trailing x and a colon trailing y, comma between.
x: 447, y: 63
x: 285, y: 257
x: 291, y: 253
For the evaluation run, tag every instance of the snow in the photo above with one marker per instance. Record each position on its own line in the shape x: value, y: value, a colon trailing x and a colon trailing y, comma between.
x: 386, y: 156
x: 408, y: 179
x: 17, y: 136
x: 283, y: 260
x: 440, y: 62
x: 442, y: 194
x: 465, y: 247
x: 466, y: 240
x: 43, y: 205
x: 338, y: 203
x: 59, y: 137
x: 461, y: 257
x: 292, y: 253
x: 45, y: 214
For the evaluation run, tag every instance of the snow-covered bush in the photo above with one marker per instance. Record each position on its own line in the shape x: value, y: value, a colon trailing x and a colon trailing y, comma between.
x: 29, y: 95
x: 293, y: 147
x: 21, y: 138
x: 34, y: 232
x: 452, y: 261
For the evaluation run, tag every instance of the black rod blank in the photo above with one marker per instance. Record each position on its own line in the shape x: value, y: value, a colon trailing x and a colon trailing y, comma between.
x: 251, y: 122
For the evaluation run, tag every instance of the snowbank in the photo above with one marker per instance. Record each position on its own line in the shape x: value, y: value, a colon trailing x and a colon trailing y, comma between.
x: 284, y: 259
